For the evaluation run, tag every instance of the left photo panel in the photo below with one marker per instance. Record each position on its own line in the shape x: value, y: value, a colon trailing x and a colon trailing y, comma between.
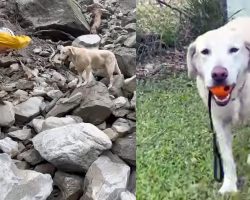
x: 68, y: 100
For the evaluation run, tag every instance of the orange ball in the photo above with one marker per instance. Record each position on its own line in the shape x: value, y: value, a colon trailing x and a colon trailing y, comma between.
x: 221, y: 91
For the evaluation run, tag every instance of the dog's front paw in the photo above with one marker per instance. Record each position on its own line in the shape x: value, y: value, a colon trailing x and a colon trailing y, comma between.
x: 228, y: 187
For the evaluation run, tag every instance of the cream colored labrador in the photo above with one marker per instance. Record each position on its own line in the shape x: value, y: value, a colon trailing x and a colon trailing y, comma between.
x: 86, y: 60
x: 221, y: 57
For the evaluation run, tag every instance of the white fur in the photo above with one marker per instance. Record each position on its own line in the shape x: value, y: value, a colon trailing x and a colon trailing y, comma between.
x: 234, y: 34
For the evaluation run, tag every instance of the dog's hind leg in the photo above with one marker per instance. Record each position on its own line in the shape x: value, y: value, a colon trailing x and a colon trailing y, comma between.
x: 224, y: 138
x: 80, y: 79
x: 88, y: 73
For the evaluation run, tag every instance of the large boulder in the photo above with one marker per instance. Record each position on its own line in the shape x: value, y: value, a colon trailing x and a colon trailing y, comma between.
x: 107, y: 174
x: 22, y: 184
x: 8, y: 114
x: 96, y: 104
x: 125, y: 148
x: 72, y: 147
x: 52, y: 14
x: 7, y: 145
x: 71, y: 186
x: 126, y: 58
x: 29, y: 109
x: 65, y: 105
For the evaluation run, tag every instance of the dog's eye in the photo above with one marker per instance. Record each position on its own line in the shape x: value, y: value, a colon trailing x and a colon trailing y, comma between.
x: 205, y: 51
x: 233, y: 50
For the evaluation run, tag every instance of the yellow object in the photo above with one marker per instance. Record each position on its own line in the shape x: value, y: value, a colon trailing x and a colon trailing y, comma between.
x: 14, y: 42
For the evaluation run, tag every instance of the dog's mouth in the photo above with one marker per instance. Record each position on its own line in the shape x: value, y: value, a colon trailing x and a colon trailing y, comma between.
x: 222, y: 94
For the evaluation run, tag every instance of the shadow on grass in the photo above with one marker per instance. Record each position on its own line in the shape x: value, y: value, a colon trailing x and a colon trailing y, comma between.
x: 174, y: 145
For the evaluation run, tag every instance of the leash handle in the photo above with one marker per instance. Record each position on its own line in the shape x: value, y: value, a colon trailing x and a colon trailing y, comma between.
x: 218, y: 166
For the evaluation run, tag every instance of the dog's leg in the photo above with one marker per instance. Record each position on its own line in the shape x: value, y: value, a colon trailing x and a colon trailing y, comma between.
x: 80, y: 79
x: 88, y: 71
x: 111, y: 80
x: 224, y: 138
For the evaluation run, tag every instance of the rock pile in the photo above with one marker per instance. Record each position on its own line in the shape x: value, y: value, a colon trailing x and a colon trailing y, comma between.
x: 58, y: 142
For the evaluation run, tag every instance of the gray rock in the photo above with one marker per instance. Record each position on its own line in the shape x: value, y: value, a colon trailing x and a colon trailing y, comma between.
x: 46, y: 168
x: 8, y: 118
x: 22, y: 184
x: 107, y: 174
x: 125, y: 148
x: 23, y: 84
x: 28, y: 109
x: 131, y: 40
x: 73, y: 147
x: 131, y: 27
x: 53, y: 94
x: 123, y: 126
x: 65, y: 105
x: 111, y: 134
x: 121, y: 194
x: 37, y: 124
x: 87, y: 41
x: 58, y: 78
x: 96, y: 104
x: 44, y: 53
x: 116, y: 90
x: 21, y: 95
x: 126, y: 58
x: 31, y: 156
x: 22, y: 164
x: 7, y: 145
x: 37, y: 50
x: 55, y: 122
x: 36, y: 13
x: 102, y: 126
x: 132, y: 182
x: 23, y: 134
x: 71, y: 186
x: 120, y: 107
x: 131, y: 116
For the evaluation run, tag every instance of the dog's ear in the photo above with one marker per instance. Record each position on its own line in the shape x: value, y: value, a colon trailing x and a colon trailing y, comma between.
x: 72, y: 51
x: 190, y: 60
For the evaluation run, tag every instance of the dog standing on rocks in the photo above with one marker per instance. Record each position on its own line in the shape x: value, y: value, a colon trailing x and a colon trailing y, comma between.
x: 86, y: 60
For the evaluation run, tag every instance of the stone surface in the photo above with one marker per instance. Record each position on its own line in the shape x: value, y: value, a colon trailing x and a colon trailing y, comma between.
x: 87, y: 41
x: 7, y: 145
x: 54, y: 122
x: 120, y: 107
x: 22, y: 184
x: 125, y: 148
x: 113, y: 135
x: 123, y: 126
x: 104, y: 176
x: 59, y: 16
x: 23, y: 134
x: 31, y: 156
x: 126, y: 60
x: 96, y: 104
x: 131, y: 40
x: 73, y: 147
x: 71, y: 186
x: 8, y: 119
x: 29, y: 109
x: 46, y: 168
x: 65, y: 105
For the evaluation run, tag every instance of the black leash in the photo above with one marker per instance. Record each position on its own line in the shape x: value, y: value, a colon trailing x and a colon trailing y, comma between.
x: 218, y: 166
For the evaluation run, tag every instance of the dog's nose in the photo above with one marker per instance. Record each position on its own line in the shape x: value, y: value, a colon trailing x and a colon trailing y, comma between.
x: 219, y: 74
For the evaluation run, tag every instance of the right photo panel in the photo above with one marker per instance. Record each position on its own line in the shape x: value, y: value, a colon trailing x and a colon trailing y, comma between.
x: 193, y: 100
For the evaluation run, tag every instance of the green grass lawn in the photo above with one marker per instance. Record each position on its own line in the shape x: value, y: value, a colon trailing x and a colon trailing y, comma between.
x: 174, y: 145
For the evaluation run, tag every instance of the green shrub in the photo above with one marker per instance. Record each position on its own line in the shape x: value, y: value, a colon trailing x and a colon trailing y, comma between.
x: 162, y: 21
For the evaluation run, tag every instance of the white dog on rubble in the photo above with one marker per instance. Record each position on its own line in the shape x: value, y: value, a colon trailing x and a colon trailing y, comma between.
x: 222, y: 57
